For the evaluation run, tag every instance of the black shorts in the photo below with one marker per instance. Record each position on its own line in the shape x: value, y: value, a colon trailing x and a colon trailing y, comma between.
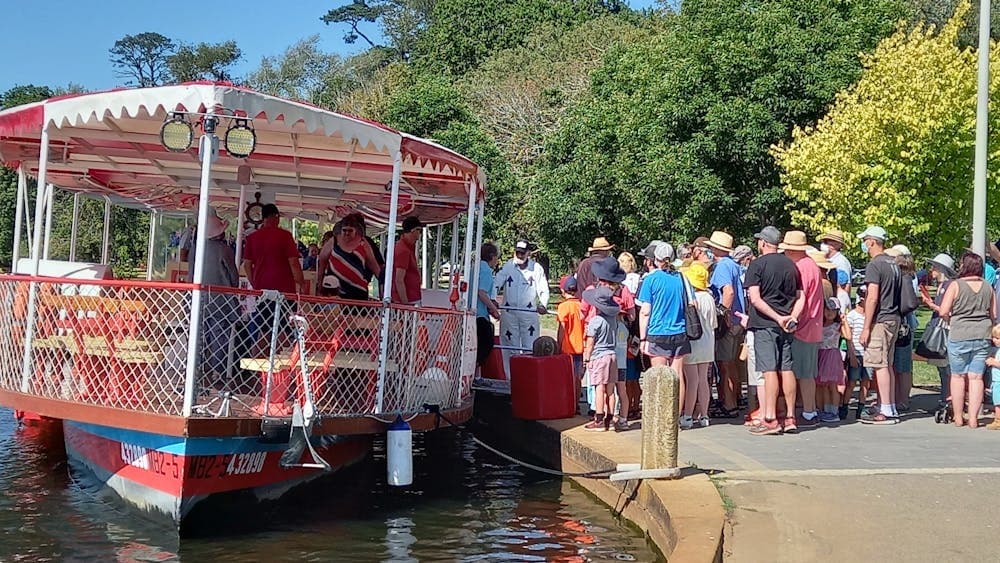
x: 484, y: 339
x: 772, y: 349
x: 668, y: 347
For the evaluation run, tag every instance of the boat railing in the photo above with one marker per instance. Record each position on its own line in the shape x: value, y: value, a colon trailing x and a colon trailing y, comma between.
x: 125, y: 345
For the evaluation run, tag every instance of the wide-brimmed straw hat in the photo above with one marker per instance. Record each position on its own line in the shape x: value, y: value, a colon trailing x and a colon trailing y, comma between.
x: 215, y: 226
x: 602, y: 300
x: 600, y: 243
x: 607, y: 269
x: 836, y: 235
x: 721, y: 241
x: 795, y: 240
x: 821, y: 260
x: 945, y: 263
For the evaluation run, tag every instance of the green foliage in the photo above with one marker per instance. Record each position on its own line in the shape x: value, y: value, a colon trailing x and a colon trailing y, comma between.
x: 142, y: 59
x: 430, y: 104
x: 897, y: 149
x: 674, y: 139
x: 463, y: 33
x: 354, y: 14
x: 204, y: 61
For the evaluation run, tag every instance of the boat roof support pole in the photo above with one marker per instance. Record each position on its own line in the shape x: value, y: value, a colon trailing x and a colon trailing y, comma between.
x: 454, y: 250
x: 424, y: 272
x: 151, y: 247
x: 474, y: 282
x: 209, y: 146
x: 106, y: 241
x: 49, y: 194
x: 74, y: 228
x: 36, y: 247
x: 436, y: 275
x: 22, y: 187
x: 470, y: 224
x: 383, y: 355
x: 241, y: 224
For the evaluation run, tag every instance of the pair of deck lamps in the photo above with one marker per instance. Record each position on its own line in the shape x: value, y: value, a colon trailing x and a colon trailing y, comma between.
x: 177, y: 134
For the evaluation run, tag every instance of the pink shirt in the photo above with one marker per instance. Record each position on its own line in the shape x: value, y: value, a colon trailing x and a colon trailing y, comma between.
x: 810, y: 327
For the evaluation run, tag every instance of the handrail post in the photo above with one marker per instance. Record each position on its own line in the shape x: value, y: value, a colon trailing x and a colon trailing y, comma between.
x: 36, y: 251
x: 22, y: 187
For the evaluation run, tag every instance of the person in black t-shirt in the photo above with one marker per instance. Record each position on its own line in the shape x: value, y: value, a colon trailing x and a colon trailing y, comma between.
x: 881, y: 323
x: 772, y: 281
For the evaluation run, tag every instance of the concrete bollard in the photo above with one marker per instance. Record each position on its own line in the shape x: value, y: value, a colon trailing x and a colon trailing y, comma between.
x: 660, y: 408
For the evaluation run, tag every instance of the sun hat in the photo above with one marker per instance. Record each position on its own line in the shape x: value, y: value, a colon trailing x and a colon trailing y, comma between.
x: 945, y: 263
x: 795, y: 240
x: 648, y: 251
x: 601, y: 299
x: 600, y: 243
x: 821, y: 260
x: 873, y: 232
x: 721, y: 241
x: 770, y: 235
x: 215, y: 226
x: 892, y: 252
x: 836, y: 235
x: 842, y: 277
x: 663, y: 252
x: 902, y: 250
x: 607, y: 269
x: 700, y: 241
x: 697, y: 275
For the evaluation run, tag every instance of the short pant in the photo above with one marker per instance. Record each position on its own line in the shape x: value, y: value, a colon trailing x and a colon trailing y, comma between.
x: 621, y: 375
x: 755, y: 377
x: 805, y: 358
x: 968, y: 356
x: 860, y: 372
x: 902, y: 359
x: 669, y: 347
x: 632, y: 369
x: 881, y: 344
x: 602, y: 370
x: 772, y: 349
x: 727, y: 348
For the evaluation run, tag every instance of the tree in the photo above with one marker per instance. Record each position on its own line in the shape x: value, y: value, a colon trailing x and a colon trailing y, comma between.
x: 897, y: 149
x: 400, y: 21
x: 673, y: 140
x: 204, y: 61
x: 143, y: 59
x: 354, y: 14
x: 463, y: 33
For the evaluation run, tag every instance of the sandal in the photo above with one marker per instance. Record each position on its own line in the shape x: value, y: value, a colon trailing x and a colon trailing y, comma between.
x: 719, y: 411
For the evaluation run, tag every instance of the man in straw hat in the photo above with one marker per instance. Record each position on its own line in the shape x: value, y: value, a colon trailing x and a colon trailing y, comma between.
x: 809, y: 333
x: 882, y: 319
x: 831, y: 243
x: 584, y: 273
x: 727, y: 284
x: 525, y: 291
x: 776, y: 295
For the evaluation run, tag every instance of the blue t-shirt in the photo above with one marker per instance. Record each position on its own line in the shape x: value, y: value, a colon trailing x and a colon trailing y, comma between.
x: 664, y: 291
x: 728, y: 272
x: 485, y: 284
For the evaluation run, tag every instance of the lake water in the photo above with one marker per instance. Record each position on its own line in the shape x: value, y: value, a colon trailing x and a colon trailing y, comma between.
x: 465, y: 505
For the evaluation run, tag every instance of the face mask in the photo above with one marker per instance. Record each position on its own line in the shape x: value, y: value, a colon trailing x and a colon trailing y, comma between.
x: 864, y: 247
x: 825, y: 248
x: 518, y: 261
x: 710, y: 254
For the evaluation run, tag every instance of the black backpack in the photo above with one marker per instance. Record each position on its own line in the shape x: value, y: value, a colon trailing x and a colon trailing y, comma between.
x: 908, y: 301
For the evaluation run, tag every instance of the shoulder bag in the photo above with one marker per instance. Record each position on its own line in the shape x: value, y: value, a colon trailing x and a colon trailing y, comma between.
x: 692, y: 322
x: 933, y: 344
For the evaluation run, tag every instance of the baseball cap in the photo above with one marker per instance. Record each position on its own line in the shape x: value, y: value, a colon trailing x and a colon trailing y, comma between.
x: 521, y: 246
x: 411, y: 223
x: 769, y: 234
x: 842, y: 277
x: 873, y: 232
x: 568, y: 284
x: 648, y: 252
x: 663, y: 252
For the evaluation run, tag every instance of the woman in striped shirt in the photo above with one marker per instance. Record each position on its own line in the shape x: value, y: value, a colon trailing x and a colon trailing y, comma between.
x: 350, y: 258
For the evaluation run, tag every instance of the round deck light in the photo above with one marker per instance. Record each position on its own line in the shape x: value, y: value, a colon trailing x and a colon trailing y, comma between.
x: 240, y: 139
x: 177, y: 133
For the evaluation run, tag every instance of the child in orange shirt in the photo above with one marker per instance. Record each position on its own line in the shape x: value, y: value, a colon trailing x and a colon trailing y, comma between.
x: 569, y: 336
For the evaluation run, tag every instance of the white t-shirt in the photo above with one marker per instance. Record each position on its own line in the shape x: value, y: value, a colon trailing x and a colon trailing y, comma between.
x: 621, y: 345
x: 632, y: 282
x: 856, y: 320
x: 703, y: 349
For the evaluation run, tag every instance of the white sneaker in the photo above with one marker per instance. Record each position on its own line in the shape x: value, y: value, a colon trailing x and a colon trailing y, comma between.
x: 703, y: 421
x: 686, y: 422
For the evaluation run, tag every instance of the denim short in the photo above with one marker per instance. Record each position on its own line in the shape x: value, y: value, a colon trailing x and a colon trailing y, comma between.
x: 632, y: 369
x: 902, y: 359
x: 968, y: 356
x: 670, y: 347
x: 860, y: 372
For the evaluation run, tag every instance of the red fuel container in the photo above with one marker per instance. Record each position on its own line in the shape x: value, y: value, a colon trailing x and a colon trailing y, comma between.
x: 541, y: 387
x: 492, y: 368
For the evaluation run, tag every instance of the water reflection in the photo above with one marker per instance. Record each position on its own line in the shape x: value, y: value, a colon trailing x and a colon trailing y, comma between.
x: 466, y: 505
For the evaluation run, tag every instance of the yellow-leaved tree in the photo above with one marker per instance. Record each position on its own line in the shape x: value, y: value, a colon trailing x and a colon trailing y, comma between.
x: 897, y: 148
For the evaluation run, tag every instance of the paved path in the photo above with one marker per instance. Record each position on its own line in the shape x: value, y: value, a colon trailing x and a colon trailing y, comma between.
x: 925, y: 491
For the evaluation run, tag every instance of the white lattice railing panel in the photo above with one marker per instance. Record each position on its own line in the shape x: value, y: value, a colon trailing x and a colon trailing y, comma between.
x: 125, y: 345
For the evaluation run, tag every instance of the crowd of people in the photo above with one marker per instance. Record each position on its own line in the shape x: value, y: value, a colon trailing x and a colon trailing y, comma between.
x: 815, y: 342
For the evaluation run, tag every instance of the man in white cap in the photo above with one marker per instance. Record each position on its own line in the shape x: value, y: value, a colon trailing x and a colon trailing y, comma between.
x: 525, y: 291
x: 882, y: 321
x: 727, y: 284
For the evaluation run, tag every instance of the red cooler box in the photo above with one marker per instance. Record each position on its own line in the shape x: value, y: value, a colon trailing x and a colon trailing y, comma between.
x: 492, y: 368
x: 541, y: 387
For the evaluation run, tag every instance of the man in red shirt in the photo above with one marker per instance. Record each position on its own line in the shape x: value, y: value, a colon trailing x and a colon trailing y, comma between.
x: 271, y: 257
x: 406, y: 273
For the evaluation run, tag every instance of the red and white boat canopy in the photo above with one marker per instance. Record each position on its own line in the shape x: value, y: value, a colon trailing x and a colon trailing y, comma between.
x: 313, y: 163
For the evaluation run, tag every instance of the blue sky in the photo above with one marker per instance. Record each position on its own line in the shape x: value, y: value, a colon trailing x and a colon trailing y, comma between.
x: 58, y: 42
